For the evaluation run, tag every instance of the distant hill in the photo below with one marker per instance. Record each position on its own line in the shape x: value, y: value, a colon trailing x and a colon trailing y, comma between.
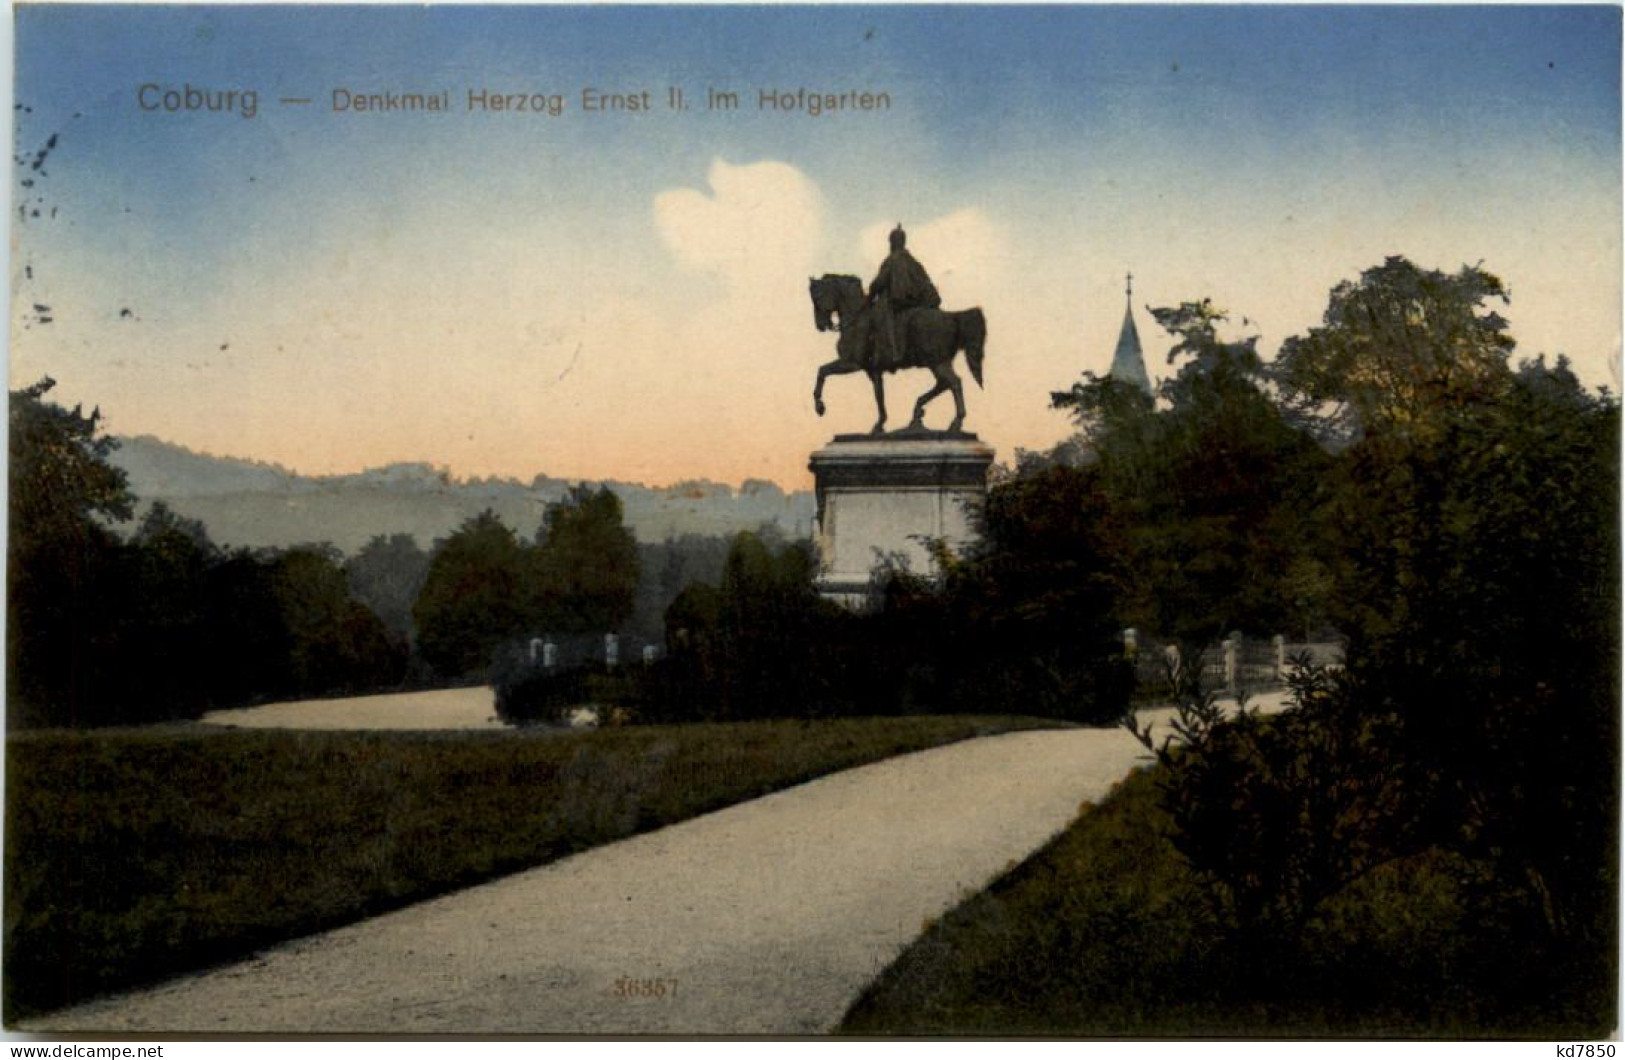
x: 247, y: 503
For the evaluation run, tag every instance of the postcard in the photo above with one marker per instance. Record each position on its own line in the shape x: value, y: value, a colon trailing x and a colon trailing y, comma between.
x: 646, y: 520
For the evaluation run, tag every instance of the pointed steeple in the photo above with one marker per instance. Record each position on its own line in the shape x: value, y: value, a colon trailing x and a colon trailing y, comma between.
x: 1128, y: 363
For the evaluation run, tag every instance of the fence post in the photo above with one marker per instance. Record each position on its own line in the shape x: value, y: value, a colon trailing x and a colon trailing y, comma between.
x: 612, y: 650
x: 1231, y: 645
x: 648, y: 654
x: 1280, y: 656
x: 550, y: 654
x: 1131, y: 642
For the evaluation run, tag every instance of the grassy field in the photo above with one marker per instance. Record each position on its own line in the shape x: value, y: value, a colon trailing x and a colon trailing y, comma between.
x: 1106, y: 933
x: 134, y: 855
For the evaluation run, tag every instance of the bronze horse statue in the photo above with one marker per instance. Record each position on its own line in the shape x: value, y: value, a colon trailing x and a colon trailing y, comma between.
x: 927, y: 338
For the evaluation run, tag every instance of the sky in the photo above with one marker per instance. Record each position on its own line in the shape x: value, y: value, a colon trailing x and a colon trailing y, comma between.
x: 623, y: 294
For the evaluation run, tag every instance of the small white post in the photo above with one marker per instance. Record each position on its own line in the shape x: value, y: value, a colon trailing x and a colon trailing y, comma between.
x: 612, y: 650
x: 550, y: 655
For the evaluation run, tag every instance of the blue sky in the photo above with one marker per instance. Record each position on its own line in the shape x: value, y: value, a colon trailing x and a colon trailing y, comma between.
x: 624, y: 296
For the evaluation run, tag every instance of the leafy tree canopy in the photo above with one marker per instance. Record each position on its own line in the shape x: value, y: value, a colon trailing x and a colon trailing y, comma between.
x: 1398, y: 346
x: 387, y: 574
x: 587, y: 563
x: 1210, y: 492
x: 61, y: 480
x: 474, y: 597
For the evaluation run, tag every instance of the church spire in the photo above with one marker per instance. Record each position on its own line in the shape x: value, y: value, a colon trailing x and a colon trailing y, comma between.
x: 1128, y: 363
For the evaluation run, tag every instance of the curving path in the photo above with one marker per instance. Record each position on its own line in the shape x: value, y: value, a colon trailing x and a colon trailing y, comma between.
x: 449, y: 708
x: 764, y: 918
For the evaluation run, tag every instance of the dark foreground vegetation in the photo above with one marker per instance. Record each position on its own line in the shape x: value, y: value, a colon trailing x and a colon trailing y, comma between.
x: 1022, y: 627
x: 157, y: 622
x: 1109, y: 932
x: 154, y: 621
x: 135, y: 855
x: 1428, y: 843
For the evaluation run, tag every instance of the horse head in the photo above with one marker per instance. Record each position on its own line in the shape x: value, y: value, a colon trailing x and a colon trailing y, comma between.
x: 835, y: 300
x: 823, y: 304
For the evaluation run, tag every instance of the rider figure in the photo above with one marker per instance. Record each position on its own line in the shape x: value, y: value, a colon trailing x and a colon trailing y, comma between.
x: 900, y: 285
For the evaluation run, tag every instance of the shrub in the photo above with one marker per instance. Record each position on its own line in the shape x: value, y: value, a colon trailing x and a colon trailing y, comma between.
x: 529, y: 694
x: 1278, y: 814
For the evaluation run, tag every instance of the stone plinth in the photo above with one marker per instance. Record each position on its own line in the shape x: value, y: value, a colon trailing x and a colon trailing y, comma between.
x: 884, y: 495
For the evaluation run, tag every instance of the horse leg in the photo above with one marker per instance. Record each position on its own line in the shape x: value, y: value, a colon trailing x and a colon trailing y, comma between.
x: 880, y: 399
x: 958, y: 389
x: 919, y: 406
x: 929, y: 396
x: 835, y: 367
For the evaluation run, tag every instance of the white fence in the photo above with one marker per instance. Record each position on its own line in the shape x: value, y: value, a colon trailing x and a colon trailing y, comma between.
x: 1235, y: 663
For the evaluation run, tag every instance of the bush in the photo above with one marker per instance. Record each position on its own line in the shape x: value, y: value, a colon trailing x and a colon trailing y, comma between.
x: 763, y: 644
x: 1107, y: 932
x: 1279, y: 814
x: 530, y: 694
x: 981, y: 643
x: 1022, y: 627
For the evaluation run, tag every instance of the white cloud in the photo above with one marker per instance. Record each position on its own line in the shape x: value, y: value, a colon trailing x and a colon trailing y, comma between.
x: 759, y: 228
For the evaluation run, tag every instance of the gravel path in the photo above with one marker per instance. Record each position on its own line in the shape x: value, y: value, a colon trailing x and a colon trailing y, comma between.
x: 452, y: 708
x: 764, y: 918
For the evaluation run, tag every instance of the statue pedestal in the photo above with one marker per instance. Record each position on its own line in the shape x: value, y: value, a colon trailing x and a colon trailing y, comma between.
x: 880, y: 495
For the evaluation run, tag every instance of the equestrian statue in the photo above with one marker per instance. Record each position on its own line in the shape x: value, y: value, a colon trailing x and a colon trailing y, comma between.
x: 898, y: 323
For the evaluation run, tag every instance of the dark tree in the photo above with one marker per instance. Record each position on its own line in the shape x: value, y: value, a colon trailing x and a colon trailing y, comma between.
x: 1215, y: 493
x: 586, y: 564
x: 335, y: 644
x: 665, y: 569
x: 761, y: 644
x: 1032, y: 617
x: 1474, y: 567
x: 247, y: 644
x: 64, y: 493
x: 768, y: 611
x: 1398, y: 347
x: 387, y: 575
x: 1479, y: 592
x: 156, y: 663
x: 475, y: 597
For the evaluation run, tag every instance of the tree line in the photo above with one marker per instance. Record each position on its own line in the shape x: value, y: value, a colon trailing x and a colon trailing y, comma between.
x: 1383, y: 480
x: 1393, y: 475
x: 1322, y: 491
x: 109, y: 625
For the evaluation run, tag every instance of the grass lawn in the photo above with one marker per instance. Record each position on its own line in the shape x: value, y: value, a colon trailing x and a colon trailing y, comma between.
x: 133, y: 855
x: 1106, y: 933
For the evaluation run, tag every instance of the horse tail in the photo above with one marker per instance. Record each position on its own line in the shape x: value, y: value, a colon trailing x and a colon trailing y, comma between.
x: 972, y: 336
